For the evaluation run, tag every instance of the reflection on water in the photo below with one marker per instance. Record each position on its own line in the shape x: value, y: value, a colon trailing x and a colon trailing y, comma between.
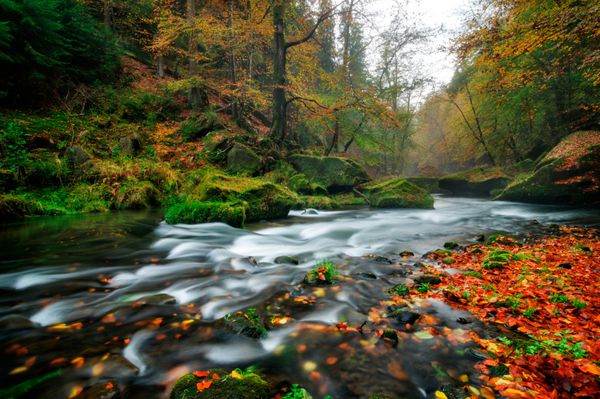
x: 142, y: 301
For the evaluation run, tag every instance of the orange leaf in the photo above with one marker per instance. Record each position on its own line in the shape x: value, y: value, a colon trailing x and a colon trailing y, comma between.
x: 201, y: 374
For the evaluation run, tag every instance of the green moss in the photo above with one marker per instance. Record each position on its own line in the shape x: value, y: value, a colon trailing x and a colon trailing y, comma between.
x: 397, y: 193
x: 334, y: 173
x: 478, y: 181
x: 13, y: 208
x: 44, y: 168
x: 244, y: 385
x: 473, y: 273
x: 247, y: 322
x: 496, y: 259
x: 349, y: 199
x: 324, y: 272
x: 264, y: 200
x: 243, y: 160
x: 448, y: 260
x: 233, y: 214
x: 317, y: 202
x: 399, y: 290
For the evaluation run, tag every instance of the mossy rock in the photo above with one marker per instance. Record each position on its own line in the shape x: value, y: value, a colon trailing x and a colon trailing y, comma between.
x: 317, y: 202
x: 44, y: 168
x: 195, y: 128
x: 263, y: 200
x: 193, y: 212
x: 397, y: 193
x: 349, y: 200
x: 247, y: 323
x: 302, y: 185
x: 8, y: 180
x: 246, y: 386
x: 475, y: 182
x: 333, y: 173
x: 569, y: 174
x: 243, y: 160
x: 431, y: 184
x: 13, y: 208
x: 216, y: 145
x: 137, y: 195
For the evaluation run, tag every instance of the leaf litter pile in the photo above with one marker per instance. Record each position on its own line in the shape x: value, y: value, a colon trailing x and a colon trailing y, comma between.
x: 545, y: 294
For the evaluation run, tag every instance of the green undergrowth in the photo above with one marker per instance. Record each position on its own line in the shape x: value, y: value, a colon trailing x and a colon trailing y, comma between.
x: 324, y: 272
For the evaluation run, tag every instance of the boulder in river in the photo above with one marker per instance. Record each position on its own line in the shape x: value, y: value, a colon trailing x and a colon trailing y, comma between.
x: 236, y: 385
x: 243, y: 160
x: 568, y: 174
x: 475, y: 182
x: 396, y: 193
x: 336, y: 174
x: 13, y: 208
x: 212, y: 196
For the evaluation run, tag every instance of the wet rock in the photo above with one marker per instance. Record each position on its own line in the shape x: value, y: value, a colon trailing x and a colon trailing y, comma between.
x: 477, y: 354
x: 451, y: 245
x: 252, y: 260
x: 407, y: 254
x: 13, y: 208
x: 246, y: 386
x: 15, y: 322
x: 454, y: 391
x: 8, y: 180
x: 480, y: 238
x: 390, y: 334
x: 158, y: 299
x: 463, y: 320
x: 291, y: 260
x: 405, y: 316
x: 448, y: 260
x: 565, y: 266
x: 383, y: 259
x: 246, y: 323
x: 310, y: 211
x: 366, y: 275
x: 428, y: 279
x: 243, y: 160
x: 106, y: 390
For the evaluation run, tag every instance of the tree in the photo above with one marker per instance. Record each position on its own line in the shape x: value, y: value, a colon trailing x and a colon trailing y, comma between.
x: 280, y: 51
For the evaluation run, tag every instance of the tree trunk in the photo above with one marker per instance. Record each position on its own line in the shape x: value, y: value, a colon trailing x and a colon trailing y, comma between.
x: 235, y: 111
x: 108, y: 13
x: 278, y: 128
x: 335, y: 139
x: 160, y: 69
x: 196, y: 97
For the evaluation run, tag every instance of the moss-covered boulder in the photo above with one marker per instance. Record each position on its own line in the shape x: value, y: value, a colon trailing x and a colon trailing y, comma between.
x: 13, y: 208
x: 247, y: 322
x: 235, y: 385
x: 431, y: 184
x: 302, y: 185
x: 216, y: 145
x: 261, y: 200
x: 194, y: 212
x: 243, y: 160
x: 397, y: 193
x: 317, y: 202
x: 475, y: 182
x: 568, y: 174
x: 334, y: 173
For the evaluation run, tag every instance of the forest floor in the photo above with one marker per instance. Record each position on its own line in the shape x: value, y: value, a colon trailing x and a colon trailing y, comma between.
x: 544, y: 293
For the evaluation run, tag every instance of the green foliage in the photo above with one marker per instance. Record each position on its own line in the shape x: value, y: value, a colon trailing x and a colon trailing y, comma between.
x: 195, y: 128
x: 21, y: 389
x: 324, y: 272
x: 496, y: 259
x: 247, y: 322
x: 399, y: 290
x: 149, y: 106
x: 473, y: 273
x: 296, y: 392
x: 48, y: 44
x: 195, y: 212
x: 422, y: 288
x: 13, y: 141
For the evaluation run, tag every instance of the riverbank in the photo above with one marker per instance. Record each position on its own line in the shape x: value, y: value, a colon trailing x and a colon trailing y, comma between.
x: 127, y: 299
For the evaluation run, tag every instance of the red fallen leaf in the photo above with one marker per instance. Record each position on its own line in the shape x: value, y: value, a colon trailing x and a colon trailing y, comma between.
x: 322, y: 276
x: 215, y: 376
x: 201, y: 374
x: 589, y: 367
x: 202, y: 385
x: 342, y: 326
x: 109, y: 385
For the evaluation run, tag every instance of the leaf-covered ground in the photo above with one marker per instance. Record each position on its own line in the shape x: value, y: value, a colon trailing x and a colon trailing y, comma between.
x: 546, y: 292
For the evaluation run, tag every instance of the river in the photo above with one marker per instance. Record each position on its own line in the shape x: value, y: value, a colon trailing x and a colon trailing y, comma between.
x: 127, y: 298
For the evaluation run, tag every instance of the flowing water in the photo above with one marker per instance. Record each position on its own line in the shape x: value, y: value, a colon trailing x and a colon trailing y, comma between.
x: 127, y: 298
